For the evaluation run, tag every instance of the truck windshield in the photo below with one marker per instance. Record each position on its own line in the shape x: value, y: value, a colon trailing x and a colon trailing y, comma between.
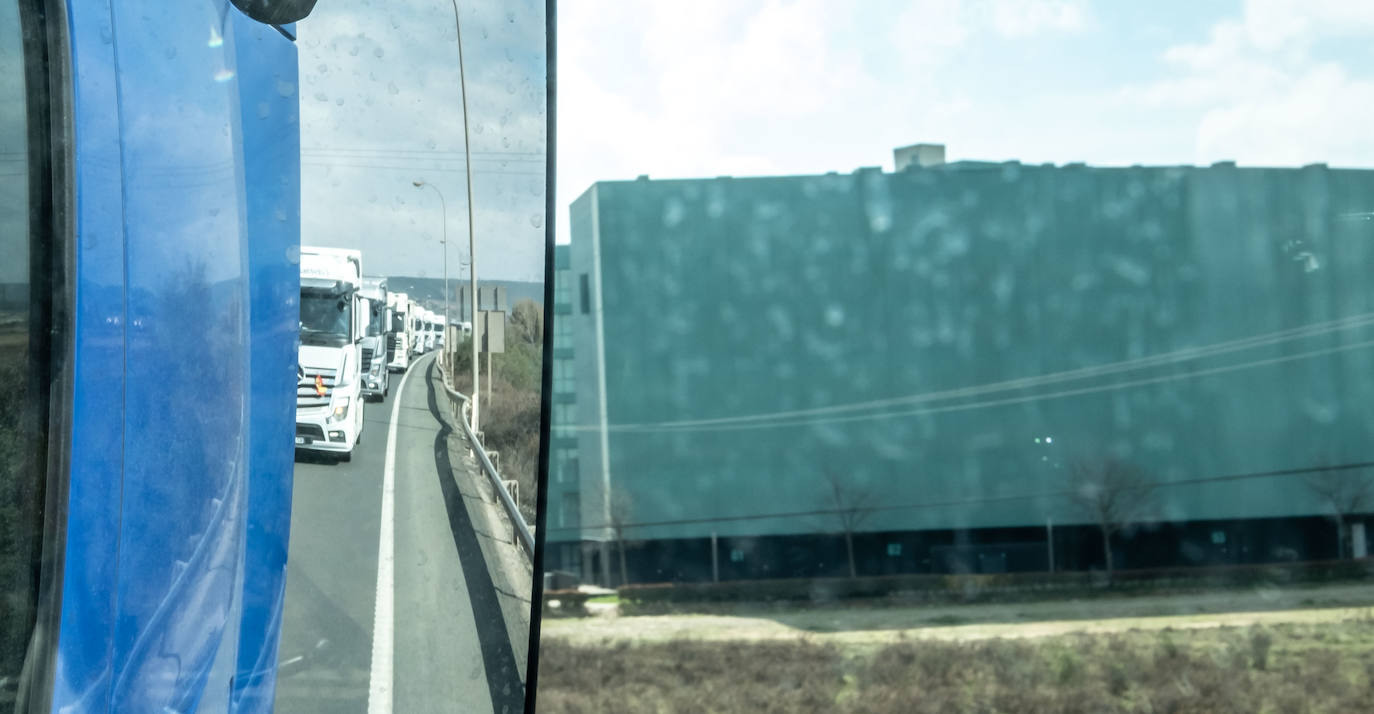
x: 377, y: 320
x: 398, y: 322
x: 325, y: 316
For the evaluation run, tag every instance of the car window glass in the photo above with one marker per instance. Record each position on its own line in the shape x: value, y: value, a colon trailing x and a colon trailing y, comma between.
x: 977, y: 356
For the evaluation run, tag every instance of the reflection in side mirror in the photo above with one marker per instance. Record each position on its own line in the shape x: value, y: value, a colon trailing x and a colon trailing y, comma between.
x: 275, y: 12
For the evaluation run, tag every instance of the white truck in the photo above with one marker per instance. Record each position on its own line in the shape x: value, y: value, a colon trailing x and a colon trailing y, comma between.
x: 440, y: 327
x: 329, y: 408
x: 429, y: 330
x: 422, y: 337
x: 398, y: 339
x: 376, y: 376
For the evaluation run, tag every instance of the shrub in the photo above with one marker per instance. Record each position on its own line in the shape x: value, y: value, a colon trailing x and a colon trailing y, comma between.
x: 1001, y: 587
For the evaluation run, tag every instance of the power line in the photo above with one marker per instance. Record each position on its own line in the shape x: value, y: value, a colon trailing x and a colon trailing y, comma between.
x: 457, y: 153
x: 1060, y: 494
x: 333, y: 164
x: 797, y: 417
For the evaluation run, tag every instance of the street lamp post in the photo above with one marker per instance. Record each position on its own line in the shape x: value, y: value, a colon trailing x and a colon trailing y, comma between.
x: 472, y: 241
x: 444, y: 205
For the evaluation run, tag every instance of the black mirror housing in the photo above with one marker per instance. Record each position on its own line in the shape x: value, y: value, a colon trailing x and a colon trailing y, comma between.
x: 275, y: 12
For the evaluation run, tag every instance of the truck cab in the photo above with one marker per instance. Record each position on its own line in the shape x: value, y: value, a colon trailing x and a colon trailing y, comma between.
x: 420, y: 340
x: 375, y: 376
x: 429, y: 331
x: 440, y: 326
x: 333, y: 322
x: 398, y: 338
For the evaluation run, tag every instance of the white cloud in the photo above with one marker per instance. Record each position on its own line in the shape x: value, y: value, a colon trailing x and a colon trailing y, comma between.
x: 751, y: 87
x: 1023, y: 18
x: 380, y: 108
x: 1260, y: 93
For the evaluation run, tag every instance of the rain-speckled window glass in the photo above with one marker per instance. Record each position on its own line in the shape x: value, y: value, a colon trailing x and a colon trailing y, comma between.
x: 423, y: 154
x: 998, y: 355
x: 22, y: 371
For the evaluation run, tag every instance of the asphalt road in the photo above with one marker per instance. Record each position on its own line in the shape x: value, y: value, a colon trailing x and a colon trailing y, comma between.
x: 450, y: 651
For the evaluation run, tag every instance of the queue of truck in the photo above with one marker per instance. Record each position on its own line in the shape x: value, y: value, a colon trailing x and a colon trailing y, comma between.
x: 354, y: 333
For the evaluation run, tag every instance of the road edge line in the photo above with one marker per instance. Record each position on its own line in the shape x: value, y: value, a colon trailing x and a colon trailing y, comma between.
x: 382, y: 676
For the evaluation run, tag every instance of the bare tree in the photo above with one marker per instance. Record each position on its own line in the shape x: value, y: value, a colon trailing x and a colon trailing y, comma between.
x: 527, y: 323
x: 1114, y: 494
x: 851, y: 506
x: 1344, y: 494
x: 622, y: 509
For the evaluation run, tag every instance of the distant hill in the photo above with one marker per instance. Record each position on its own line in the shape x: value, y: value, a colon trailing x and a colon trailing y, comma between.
x: 430, y: 291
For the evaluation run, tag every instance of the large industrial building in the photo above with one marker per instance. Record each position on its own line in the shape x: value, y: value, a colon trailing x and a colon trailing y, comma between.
x: 926, y: 358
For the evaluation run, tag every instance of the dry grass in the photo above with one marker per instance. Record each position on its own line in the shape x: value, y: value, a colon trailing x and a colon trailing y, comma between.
x: 510, y: 425
x: 1327, y: 667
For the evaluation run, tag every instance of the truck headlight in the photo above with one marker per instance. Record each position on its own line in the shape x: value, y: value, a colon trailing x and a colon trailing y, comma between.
x: 340, y: 410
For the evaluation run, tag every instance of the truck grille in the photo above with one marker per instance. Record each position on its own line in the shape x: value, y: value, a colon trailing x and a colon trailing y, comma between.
x: 306, y: 396
x: 367, y: 360
x: 391, y: 348
x: 311, y: 430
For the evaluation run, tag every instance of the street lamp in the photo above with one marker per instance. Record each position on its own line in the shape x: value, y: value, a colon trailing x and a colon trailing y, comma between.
x: 444, y: 205
x: 472, y: 241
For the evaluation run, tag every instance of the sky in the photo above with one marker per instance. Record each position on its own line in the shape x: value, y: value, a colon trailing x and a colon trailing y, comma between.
x: 14, y: 206
x: 771, y: 87
x: 381, y: 108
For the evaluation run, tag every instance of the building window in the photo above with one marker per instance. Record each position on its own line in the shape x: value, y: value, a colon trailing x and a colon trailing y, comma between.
x: 563, y: 418
x: 562, y: 377
x: 894, y: 549
x: 562, y: 332
x: 565, y: 465
x: 561, y: 294
x: 568, y: 515
x: 586, y: 294
x: 736, y: 555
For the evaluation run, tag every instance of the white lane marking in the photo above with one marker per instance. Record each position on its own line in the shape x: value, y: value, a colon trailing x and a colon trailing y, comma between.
x: 379, y: 690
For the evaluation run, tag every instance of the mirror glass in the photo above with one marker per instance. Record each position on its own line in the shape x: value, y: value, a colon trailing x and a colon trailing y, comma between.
x: 409, y: 576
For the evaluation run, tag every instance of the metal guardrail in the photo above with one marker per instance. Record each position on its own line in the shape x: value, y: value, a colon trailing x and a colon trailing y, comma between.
x: 522, y: 530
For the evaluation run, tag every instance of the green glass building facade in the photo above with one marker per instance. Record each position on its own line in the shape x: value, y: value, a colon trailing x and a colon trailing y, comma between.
x: 947, y: 344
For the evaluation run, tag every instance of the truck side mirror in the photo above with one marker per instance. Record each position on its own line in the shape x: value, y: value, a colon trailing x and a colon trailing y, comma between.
x: 275, y: 12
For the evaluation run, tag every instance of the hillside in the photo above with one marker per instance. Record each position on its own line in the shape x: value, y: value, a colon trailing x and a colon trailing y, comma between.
x: 431, y: 290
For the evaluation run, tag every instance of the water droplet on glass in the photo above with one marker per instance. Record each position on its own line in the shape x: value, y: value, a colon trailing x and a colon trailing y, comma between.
x: 264, y: 110
x: 280, y: 215
x: 293, y: 254
x: 215, y: 39
x: 378, y: 52
x: 353, y: 52
x: 477, y: 128
x: 339, y: 102
x: 171, y: 53
x: 834, y: 316
x: 505, y: 142
x: 322, y: 69
x: 537, y: 220
x: 510, y: 17
x: 392, y: 88
x: 321, y: 97
x: 285, y: 88
x: 224, y: 75
x: 430, y: 144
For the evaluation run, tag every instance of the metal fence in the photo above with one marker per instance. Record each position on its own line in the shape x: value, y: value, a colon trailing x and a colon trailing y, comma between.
x: 459, y: 402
